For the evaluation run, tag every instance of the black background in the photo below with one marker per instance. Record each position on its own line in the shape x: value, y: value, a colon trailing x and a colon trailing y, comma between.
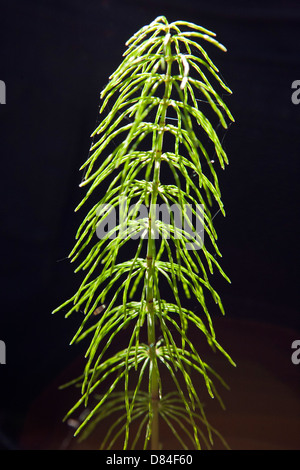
x: 55, y: 57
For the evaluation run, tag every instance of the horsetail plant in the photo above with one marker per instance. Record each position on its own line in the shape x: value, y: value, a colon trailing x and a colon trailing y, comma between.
x: 150, y: 152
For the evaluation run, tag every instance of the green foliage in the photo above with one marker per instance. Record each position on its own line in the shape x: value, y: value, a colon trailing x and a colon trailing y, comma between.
x: 153, y: 125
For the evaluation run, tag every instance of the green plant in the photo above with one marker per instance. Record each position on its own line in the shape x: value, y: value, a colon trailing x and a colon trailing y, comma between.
x: 153, y: 127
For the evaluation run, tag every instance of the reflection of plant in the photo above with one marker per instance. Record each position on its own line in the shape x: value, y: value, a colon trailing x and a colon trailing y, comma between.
x: 154, y: 112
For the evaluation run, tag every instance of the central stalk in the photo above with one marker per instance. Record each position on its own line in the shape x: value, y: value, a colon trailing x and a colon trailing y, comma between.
x: 151, y: 250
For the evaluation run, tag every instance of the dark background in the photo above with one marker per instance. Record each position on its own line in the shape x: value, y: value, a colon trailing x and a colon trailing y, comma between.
x: 55, y: 58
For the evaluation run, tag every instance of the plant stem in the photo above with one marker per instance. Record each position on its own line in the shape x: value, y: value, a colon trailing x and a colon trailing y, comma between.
x: 151, y: 253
